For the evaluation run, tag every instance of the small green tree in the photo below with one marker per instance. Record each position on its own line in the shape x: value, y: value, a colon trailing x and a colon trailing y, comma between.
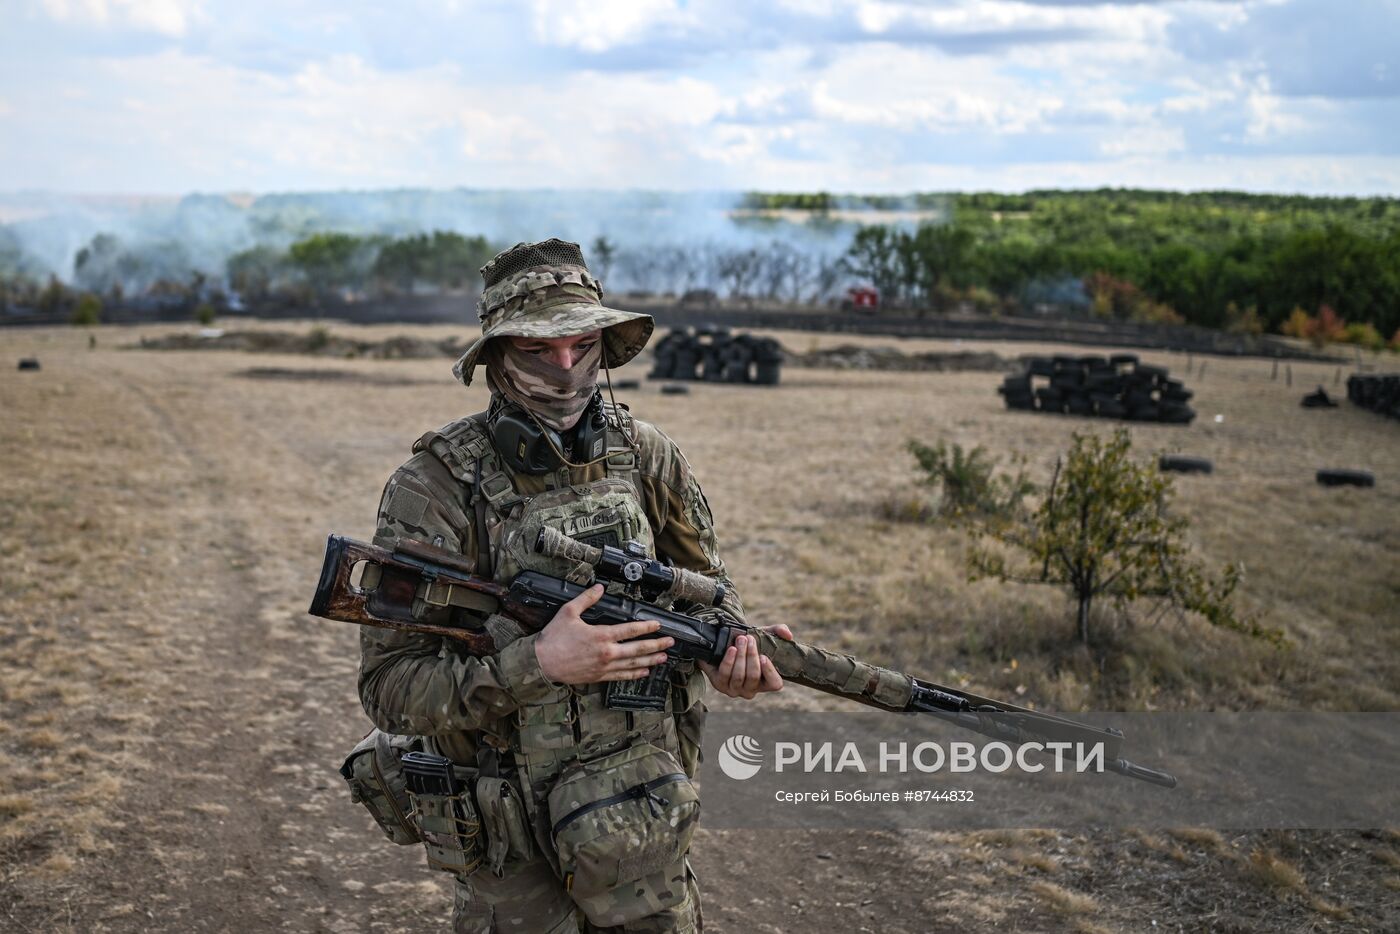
x: 204, y: 314
x: 88, y: 311
x: 969, y: 480
x: 1104, y: 529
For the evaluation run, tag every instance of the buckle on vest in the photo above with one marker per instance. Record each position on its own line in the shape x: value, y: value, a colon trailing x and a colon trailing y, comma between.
x: 622, y: 458
x: 496, y: 487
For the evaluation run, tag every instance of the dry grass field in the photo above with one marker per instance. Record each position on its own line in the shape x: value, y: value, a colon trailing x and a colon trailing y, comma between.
x: 171, y: 719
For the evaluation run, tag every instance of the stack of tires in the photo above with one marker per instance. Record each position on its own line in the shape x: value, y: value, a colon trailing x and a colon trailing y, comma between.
x: 1119, y: 386
x: 713, y: 354
x: 1378, y: 393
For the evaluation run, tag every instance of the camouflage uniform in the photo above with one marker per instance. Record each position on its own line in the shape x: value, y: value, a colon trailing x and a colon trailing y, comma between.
x: 502, y: 708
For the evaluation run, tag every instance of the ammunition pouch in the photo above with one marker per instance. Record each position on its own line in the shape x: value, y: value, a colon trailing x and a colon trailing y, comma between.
x: 623, y: 821
x: 508, y: 837
x: 375, y: 776
x: 446, y: 814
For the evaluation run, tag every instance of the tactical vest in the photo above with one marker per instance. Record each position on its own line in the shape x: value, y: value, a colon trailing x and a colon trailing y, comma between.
x: 573, y: 724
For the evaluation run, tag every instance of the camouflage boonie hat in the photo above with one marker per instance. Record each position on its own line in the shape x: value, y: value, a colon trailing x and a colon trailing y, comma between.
x: 545, y: 290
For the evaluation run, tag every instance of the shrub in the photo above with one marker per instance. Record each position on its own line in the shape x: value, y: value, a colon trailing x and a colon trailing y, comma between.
x: 1363, y: 334
x: 88, y: 311
x: 1104, y: 529
x: 318, y: 338
x: 968, y: 480
x: 1243, y: 322
x: 204, y: 314
x: 1327, y: 327
x: 1299, y: 324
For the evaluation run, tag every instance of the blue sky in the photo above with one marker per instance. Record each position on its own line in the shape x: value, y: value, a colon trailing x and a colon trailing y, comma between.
x: 172, y: 96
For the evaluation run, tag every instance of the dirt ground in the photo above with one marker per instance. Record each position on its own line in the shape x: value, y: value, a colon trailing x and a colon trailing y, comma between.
x: 171, y: 720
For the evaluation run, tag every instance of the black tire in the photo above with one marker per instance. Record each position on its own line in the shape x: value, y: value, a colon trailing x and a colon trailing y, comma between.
x: 29, y: 363
x: 1148, y: 412
x: 1040, y: 366
x: 686, y: 362
x: 1111, y: 408
x: 1079, y: 404
x: 1180, y: 463
x: 1123, y: 359
x: 1137, y: 398
x: 1346, y: 478
x: 766, y: 372
x: 675, y: 389
x: 1176, y: 414
x: 1049, y: 400
x: 1151, y: 372
x: 1016, y: 384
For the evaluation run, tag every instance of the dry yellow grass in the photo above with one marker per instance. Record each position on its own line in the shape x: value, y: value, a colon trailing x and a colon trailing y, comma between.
x: 1063, y: 900
x: 1269, y: 870
x: 163, y: 517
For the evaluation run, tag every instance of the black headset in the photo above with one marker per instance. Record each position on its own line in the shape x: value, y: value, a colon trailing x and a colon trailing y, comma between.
x: 529, y: 447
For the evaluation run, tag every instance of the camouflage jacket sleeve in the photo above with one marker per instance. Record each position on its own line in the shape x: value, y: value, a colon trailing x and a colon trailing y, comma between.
x: 680, y: 515
x: 410, y: 683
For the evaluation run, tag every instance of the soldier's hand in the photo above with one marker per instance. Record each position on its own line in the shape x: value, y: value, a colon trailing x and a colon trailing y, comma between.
x: 745, y: 673
x: 571, y: 651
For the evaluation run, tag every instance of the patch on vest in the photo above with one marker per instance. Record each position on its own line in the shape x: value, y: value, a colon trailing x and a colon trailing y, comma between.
x: 596, y: 529
x: 406, y: 506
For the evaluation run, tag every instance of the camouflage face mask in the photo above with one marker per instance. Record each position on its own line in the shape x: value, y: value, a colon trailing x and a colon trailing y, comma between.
x: 554, y: 395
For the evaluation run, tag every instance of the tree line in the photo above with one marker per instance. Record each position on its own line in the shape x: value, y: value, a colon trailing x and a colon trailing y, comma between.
x: 1215, y: 259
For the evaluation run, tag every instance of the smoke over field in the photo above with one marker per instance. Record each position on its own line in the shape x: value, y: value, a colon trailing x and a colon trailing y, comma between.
x: 172, y: 237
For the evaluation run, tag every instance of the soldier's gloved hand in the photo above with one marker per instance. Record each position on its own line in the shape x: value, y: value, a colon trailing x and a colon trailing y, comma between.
x: 745, y: 673
x: 571, y: 651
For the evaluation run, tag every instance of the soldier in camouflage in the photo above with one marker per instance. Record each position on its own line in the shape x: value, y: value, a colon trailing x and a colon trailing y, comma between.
x: 531, y: 720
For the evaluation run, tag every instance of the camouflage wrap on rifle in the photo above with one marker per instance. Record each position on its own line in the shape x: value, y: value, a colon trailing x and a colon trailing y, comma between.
x: 836, y: 674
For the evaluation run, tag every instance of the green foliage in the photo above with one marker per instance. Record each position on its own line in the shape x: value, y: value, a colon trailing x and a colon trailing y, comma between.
x: 443, y: 259
x: 204, y: 314
x: 969, y: 482
x: 330, y: 260
x: 1364, y: 335
x: 1246, y: 321
x: 317, y: 338
x: 1105, y: 529
x: 919, y: 268
x: 1188, y: 255
x: 88, y: 311
x: 781, y: 201
x: 255, y: 272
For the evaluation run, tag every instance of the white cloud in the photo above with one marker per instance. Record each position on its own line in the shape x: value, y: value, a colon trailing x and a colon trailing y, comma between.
x: 1269, y: 116
x: 167, y: 17
x: 841, y: 94
x: 898, y: 88
x: 600, y: 25
x: 1144, y: 141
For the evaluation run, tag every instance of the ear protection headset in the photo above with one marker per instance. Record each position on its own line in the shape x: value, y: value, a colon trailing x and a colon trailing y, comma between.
x: 529, y: 447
